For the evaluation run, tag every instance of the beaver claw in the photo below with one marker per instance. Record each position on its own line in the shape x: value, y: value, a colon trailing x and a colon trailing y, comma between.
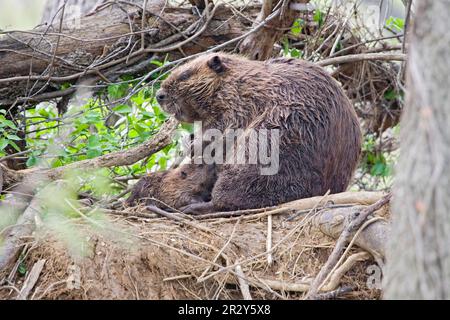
x: 198, y: 208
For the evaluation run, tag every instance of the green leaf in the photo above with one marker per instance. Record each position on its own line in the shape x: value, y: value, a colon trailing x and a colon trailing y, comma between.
x: 93, y: 141
x: 285, y: 46
x: 318, y: 17
x: 295, y: 53
x: 22, y: 269
x: 14, y: 145
x: 157, y: 63
x: 3, y: 144
x: 123, y: 109
x: 297, y: 27
x: 44, y: 113
x: 395, y: 23
x: 141, y: 128
x: 92, y: 117
x: 7, y: 123
x: 65, y: 86
x: 379, y: 169
x: 189, y: 127
x: 13, y: 137
x: 162, y: 163
x: 147, y: 115
x: 93, y: 153
x: 117, y: 91
x: 32, y: 160
x: 138, y: 99
x: 390, y: 95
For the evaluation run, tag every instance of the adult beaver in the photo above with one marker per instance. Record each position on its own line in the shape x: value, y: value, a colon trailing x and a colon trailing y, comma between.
x: 320, y: 137
x: 175, y: 188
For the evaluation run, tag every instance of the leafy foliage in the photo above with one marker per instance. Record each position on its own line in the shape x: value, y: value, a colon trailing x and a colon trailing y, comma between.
x: 374, y: 162
x: 7, y: 133
x: 395, y: 24
x: 109, y: 122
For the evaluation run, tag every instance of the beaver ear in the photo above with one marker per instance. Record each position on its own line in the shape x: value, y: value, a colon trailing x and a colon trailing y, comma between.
x: 183, y: 175
x: 216, y: 64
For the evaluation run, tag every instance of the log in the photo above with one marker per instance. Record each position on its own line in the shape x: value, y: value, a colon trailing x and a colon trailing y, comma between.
x: 363, y: 198
x: 373, y: 238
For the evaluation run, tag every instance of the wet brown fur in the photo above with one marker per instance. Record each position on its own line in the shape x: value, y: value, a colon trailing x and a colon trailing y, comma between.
x: 320, y: 134
x: 175, y: 188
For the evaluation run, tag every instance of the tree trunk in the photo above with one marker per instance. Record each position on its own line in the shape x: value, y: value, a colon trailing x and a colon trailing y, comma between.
x: 418, y: 258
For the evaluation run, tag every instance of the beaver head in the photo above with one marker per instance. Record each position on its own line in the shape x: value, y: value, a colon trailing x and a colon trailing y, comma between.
x: 189, y: 183
x: 175, y: 188
x: 187, y: 93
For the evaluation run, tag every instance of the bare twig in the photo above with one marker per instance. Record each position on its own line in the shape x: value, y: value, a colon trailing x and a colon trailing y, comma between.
x: 361, y: 57
x: 269, y: 240
x: 181, y: 219
x: 243, y: 284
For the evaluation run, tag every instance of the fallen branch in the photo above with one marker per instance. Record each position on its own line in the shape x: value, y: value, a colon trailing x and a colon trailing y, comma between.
x: 9, y: 177
x: 362, y: 57
x: 373, y: 238
x: 119, y: 158
x: 193, y: 259
x: 335, y: 293
x: 31, y: 280
x: 355, y: 221
x: 24, y: 227
x: 344, y: 198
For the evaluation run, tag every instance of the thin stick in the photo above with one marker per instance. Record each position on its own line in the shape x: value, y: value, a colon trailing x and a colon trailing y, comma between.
x: 362, y: 57
x: 144, y: 11
x: 243, y: 284
x: 178, y: 218
x: 180, y: 277
x: 269, y: 240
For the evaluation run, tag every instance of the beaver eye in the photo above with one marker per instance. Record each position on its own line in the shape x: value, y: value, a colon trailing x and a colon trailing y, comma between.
x: 185, y: 75
x: 183, y: 175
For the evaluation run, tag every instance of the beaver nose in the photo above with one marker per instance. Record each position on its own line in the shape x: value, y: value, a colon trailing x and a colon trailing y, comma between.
x: 161, y: 96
